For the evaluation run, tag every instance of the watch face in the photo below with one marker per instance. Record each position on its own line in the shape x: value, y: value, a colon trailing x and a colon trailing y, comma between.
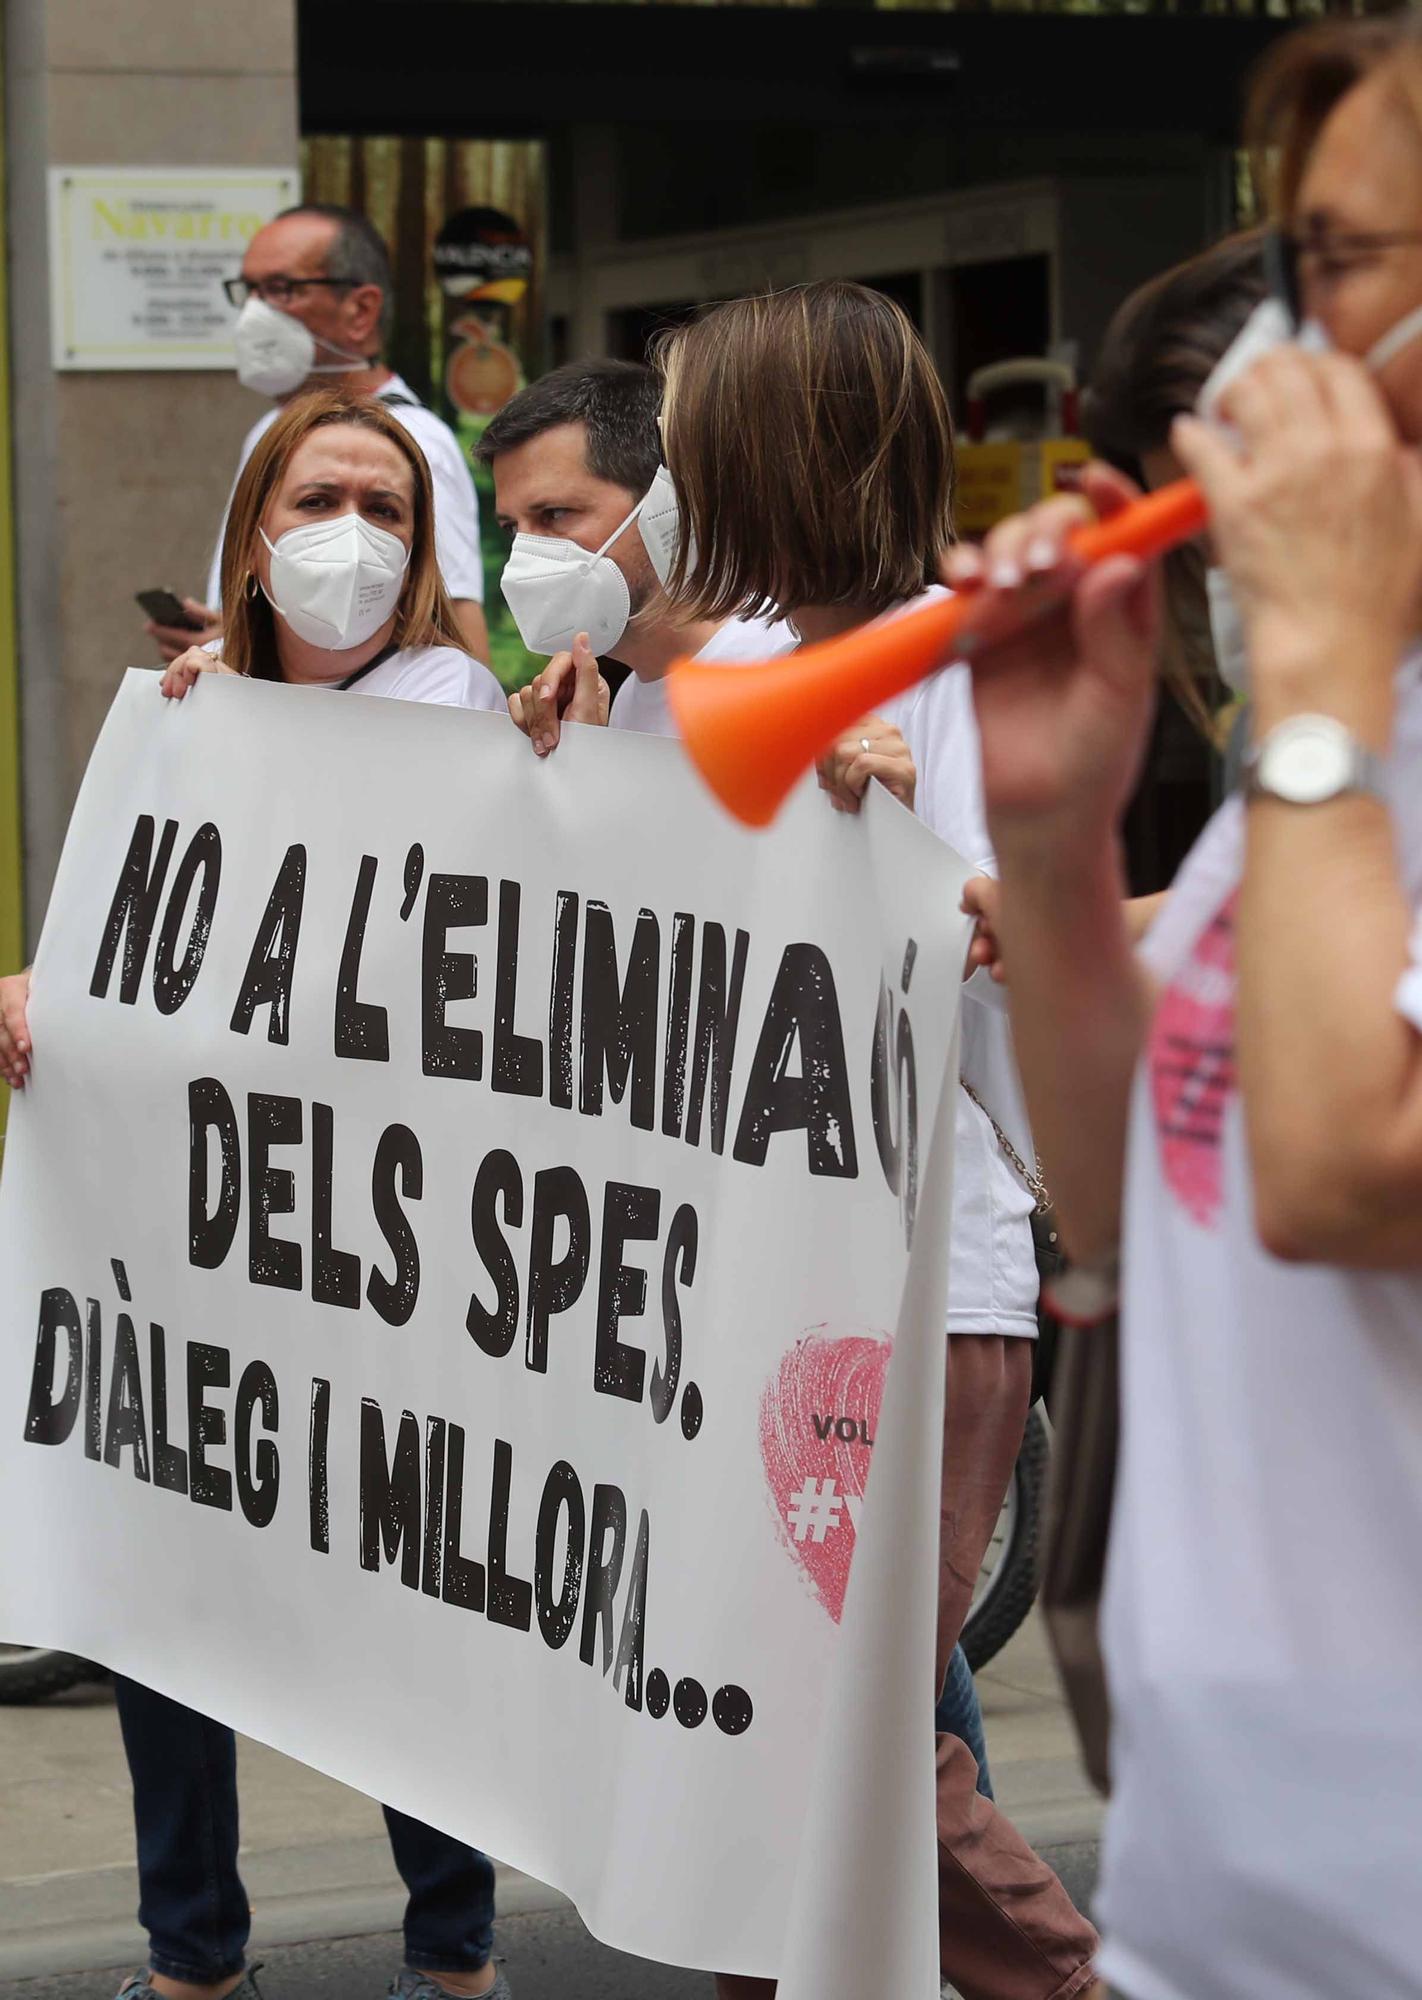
x: 1307, y: 761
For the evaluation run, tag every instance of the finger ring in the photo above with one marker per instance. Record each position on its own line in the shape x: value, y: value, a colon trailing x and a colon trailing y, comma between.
x: 865, y: 744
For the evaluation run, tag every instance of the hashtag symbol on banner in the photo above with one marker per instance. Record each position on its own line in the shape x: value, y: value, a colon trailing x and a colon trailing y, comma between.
x: 814, y: 1510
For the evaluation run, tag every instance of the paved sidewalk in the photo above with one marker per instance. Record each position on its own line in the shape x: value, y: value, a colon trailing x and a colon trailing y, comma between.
x: 315, y: 1858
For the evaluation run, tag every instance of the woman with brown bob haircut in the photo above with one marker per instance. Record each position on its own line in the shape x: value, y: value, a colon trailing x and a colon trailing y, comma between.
x: 829, y: 408
x: 1237, y: 1115
x: 810, y: 444
x: 329, y: 575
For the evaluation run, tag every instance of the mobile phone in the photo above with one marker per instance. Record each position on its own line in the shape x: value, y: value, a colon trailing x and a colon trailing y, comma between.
x: 165, y: 607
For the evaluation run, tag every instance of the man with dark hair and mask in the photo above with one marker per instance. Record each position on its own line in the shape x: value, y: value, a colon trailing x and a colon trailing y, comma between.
x: 579, y: 483
x: 314, y: 299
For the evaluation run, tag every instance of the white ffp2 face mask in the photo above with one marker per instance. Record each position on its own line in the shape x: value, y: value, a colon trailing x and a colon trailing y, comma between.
x: 276, y: 352
x: 555, y: 589
x: 1268, y: 327
x: 336, y: 582
x: 661, y: 529
x: 1271, y: 326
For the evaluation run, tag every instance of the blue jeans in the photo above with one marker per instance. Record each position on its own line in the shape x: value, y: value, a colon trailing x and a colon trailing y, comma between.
x: 958, y: 1714
x: 191, y: 1900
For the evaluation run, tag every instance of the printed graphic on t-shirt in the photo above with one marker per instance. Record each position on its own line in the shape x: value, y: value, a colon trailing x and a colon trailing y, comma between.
x: 1192, y: 1069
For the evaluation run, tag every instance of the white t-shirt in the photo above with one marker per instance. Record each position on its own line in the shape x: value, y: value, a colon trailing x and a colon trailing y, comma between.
x: 992, y: 1278
x: 992, y: 1273
x: 457, y: 547
x: 642, y: 705
x: 1263, y: 1617
x: 434, y: 673
x: 423, y: 673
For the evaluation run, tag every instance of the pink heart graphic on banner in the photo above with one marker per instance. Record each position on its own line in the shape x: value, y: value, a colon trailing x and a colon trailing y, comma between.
x: 818, y: 1420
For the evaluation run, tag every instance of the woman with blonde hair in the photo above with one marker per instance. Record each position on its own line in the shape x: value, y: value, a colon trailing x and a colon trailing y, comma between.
x: 809, y: 441
x: 330, y: 580
x: 1240, y: 1109
x: 328, y: 565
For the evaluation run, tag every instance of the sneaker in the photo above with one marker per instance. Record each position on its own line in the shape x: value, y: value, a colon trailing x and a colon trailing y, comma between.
x: 412, y: 1984
x: 138, y: 1988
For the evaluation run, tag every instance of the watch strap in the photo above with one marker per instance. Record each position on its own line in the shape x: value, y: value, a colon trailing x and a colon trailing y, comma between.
x: 1362, y: 775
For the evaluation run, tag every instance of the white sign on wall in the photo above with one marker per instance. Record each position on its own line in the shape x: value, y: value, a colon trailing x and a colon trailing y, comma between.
x: 138, y: 255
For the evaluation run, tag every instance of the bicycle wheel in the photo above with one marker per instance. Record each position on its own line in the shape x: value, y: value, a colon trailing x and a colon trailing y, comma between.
x: 29, y: 1673
x: 1010, y: 1572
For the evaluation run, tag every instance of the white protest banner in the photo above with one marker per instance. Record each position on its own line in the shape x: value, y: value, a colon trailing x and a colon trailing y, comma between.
x: 449, y: 1248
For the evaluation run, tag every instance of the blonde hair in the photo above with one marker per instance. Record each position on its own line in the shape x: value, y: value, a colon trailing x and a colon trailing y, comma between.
x: 812, y: 449
x: 425, y: 617
x: 1303, y: 78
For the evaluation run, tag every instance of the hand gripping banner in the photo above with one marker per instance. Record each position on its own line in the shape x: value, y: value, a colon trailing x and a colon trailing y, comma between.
x: 451, y: 1250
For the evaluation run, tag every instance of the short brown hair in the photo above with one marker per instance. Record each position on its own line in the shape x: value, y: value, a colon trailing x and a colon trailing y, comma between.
x: 248, y: 623
x: 812, y: 449
x: 1305, y: 76
x: 616, y: 403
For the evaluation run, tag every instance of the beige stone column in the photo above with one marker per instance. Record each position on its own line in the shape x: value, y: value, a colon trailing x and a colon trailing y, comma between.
x: 120, y: 478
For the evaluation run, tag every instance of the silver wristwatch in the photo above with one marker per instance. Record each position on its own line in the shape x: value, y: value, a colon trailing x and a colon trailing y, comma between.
x: 1310, y: 759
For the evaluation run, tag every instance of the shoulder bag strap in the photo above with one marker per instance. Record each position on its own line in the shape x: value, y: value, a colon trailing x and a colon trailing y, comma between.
x: 386, y: 653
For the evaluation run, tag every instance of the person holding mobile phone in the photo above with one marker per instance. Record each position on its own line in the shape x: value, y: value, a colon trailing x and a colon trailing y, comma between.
x: 314, y: 296
x: 330, y: 576
x: 172, y: 613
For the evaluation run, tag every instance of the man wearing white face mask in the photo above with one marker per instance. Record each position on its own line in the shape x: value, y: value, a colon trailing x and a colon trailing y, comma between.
x: 579, y: 481
x: 575, y: 459
x: 314, y: 295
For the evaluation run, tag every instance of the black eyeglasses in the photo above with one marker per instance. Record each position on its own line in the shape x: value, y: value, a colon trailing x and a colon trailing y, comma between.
x: 1333, y: 252
x: 275, y: 291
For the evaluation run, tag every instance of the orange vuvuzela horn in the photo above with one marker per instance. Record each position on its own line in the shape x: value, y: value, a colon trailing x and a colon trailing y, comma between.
x: 752, y: 730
